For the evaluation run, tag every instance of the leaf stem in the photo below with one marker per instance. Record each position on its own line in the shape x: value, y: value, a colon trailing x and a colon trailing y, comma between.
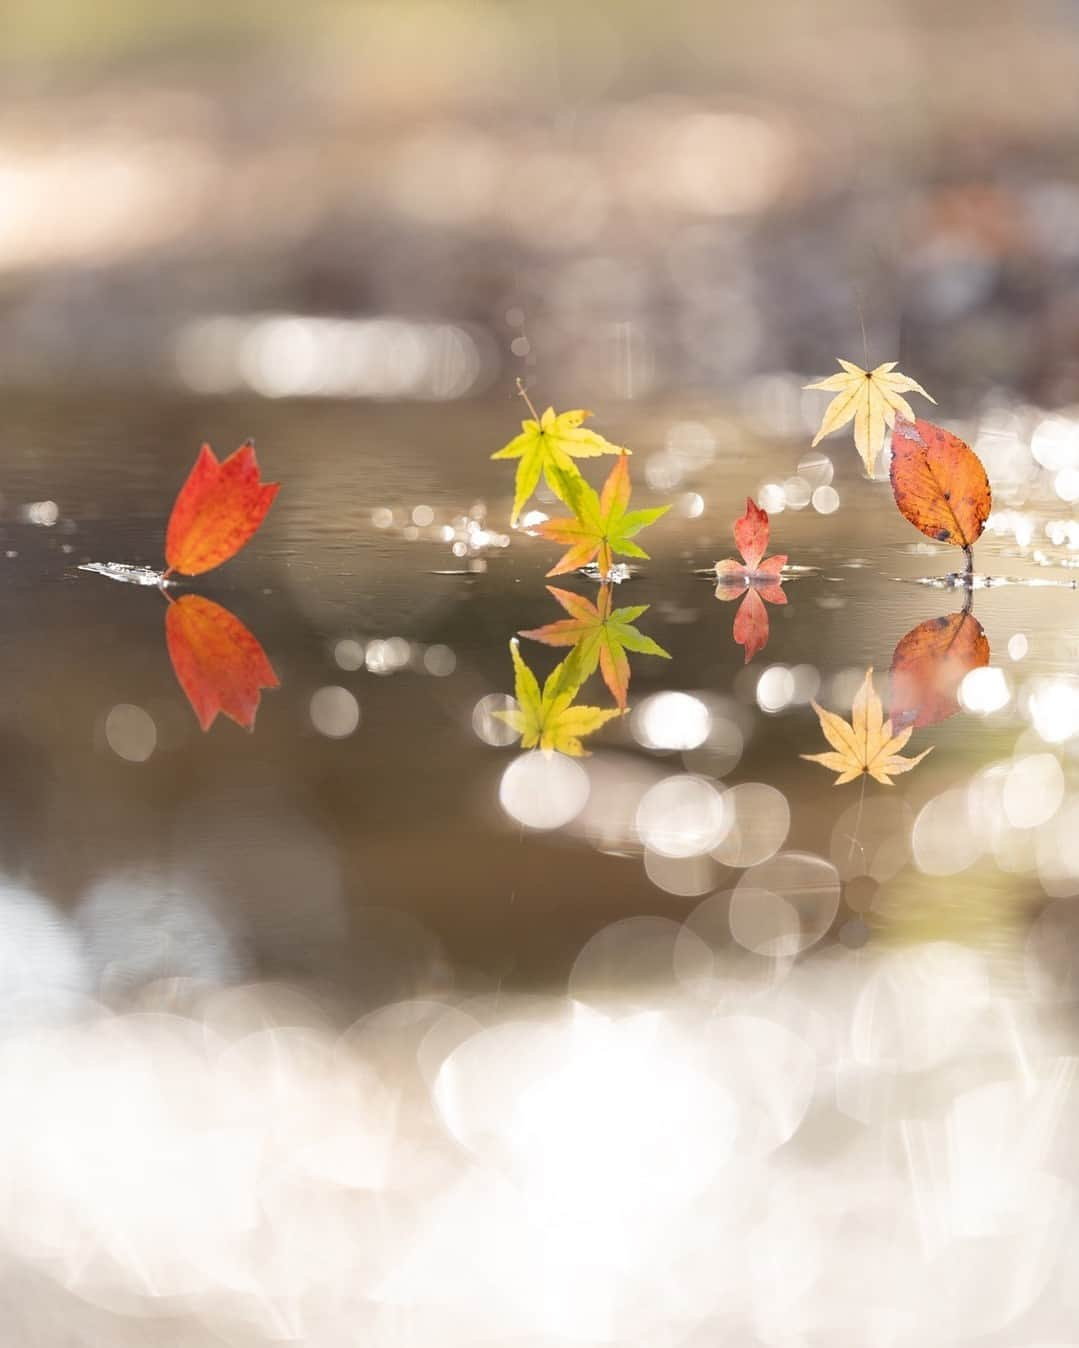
x: 523, y: 391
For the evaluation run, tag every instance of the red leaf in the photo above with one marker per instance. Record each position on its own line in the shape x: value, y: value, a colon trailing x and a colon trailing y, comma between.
x: 929, y: 664
x: 219, y: 664
x: 751, y: 534
x: 940, y: 484
x: 218, y: 509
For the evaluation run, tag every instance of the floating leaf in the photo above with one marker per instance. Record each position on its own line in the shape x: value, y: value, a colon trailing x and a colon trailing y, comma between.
x: 218, y: 662
x: 752, y: 582
x: 751, y: 538
x: 873, y: 398
x: 599, y: 636
x: 218, y: 509
x: 601, y: 525
x: 867, y: 743
x: 548, y: 447
x: 940, y: 484
x: 929, y: 664
x: 549, y: 719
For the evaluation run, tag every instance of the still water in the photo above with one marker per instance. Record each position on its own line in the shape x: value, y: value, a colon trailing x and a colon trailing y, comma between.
x: 318, y: 1016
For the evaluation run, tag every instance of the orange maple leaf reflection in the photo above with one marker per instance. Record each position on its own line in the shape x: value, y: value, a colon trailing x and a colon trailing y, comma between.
x: 218, y: 662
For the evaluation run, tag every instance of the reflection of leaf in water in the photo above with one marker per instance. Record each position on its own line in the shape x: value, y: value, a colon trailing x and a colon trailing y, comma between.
x: 873, y: 398
x: 940, y: 484
x: 548, y: 446
x: 218, y: 509
x: 753, y: 581
x: 867, y: 743
x: 549, y: 719
x: 218, y: 662
x: 929, y: 664
x: 599, y: 636
x: 601, y: 524
x: 751, y: 627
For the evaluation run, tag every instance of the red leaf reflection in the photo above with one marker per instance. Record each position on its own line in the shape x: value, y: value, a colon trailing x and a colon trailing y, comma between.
x: 218, y: 662
x: 930, y: 663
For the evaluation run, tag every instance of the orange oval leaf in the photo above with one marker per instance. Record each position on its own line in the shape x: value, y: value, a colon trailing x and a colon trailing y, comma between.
x: 939, y: 482
x: 929, y: 664
x: 218, y: 509
x: 218, y: 662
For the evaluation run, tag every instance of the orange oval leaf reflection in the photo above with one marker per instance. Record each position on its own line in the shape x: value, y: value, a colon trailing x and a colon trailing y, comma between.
x: 218, y: 662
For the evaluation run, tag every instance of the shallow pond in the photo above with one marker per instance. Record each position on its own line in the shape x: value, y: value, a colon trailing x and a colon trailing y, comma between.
x: 399, y: 810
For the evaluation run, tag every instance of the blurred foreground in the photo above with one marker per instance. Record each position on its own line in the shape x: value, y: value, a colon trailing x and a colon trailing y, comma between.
x: 857, y: 1149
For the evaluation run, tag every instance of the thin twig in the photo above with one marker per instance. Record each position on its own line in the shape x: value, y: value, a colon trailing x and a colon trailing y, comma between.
x: 865, y: 340
x: 523, y: 391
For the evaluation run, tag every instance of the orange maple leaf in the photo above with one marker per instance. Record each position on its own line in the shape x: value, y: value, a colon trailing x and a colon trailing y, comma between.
x: 602, y: 524
x: 218, y: 509
x: 218, y: 662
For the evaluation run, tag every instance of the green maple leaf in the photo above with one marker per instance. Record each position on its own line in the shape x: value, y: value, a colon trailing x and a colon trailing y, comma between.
x: 548, y: 447
x: 601, y: 525
x: 549, y: 719
x: 599, y: 636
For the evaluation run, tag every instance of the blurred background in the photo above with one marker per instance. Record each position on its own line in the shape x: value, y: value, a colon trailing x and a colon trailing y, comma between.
x: 623, y: 199
x: 366, y: 1026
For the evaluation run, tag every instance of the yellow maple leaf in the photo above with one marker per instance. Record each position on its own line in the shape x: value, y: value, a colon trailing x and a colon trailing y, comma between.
x: 873, y: 398
x: 549, y: 719
x: 548, y: 446
x: 867, y: 743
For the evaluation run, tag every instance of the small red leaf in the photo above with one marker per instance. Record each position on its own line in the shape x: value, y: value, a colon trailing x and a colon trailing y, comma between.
x: 218, y: 509
x: 929, y: 664
x: 940, y: 484
x: 218, y: 662
x: 751, y: 535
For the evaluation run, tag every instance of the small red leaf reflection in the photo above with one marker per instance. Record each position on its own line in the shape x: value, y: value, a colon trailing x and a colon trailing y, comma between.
x: 218, y: 662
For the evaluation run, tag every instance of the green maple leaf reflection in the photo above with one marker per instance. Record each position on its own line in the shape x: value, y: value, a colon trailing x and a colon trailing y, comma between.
x: 601, y: 524
x: 548, y: 447
x: 549, y: 719
x: 599, y: 636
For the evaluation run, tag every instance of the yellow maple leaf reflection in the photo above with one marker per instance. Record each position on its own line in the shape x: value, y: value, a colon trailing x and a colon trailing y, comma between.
x: 867, y: 743
x: 549, y: 719
x: 873, y: 398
